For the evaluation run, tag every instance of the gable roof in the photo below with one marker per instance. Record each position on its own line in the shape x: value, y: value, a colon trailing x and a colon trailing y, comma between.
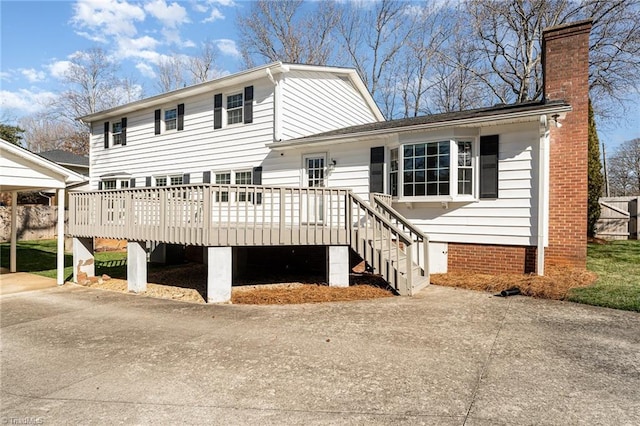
x: 65, y: 158
x: 40, y: 172
x: 522, y: 111
x: 243, y: 77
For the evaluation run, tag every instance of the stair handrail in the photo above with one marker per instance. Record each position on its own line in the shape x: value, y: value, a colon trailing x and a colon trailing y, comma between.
x: 406, y: 226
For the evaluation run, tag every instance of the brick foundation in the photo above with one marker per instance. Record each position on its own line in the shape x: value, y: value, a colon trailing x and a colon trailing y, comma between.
x: 491, y: 259
x: 566, y: 77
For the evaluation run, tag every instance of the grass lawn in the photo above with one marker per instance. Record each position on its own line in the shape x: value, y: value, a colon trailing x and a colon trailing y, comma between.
x: 618, y: 267
x: 39, y: 257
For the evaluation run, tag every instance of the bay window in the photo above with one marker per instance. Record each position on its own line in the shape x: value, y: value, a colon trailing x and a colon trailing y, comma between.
x: 439, y: 170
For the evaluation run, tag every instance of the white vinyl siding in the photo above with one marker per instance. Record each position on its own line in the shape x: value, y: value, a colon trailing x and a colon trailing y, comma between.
x: 314, y: 102
x: 511, y: 219
x: 197, y: 149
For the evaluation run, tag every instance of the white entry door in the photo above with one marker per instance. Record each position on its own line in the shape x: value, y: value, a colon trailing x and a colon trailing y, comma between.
x: 315, y: 177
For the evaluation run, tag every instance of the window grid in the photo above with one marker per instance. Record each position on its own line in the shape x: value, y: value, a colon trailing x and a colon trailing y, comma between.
x: 109, y: 184
x: 244, y: 178
x: 175, y: 180
x: 426, y: 169
x: 116, y: 133
x: 171, y: 119
x: 315, y: 172
x: 223, y: 179
x: 234, y: 108
x: 161, y: 181
x: 465, y: 168
x: 393, y: 172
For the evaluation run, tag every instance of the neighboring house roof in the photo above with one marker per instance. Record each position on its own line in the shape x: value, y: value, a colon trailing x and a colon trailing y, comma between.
x: 22, y: 170
x: 522, y: 111
x: 243, y: 77
x: 65, y: 158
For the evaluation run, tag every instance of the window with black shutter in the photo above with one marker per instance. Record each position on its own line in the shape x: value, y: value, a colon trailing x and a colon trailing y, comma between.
x: 376, y: 170
x: 217, y: 111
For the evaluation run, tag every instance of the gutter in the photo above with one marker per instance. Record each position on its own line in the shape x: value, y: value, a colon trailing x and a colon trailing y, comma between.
x: 427, y: 126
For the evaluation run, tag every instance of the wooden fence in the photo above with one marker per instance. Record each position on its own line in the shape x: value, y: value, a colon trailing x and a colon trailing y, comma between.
x: 618, y: 218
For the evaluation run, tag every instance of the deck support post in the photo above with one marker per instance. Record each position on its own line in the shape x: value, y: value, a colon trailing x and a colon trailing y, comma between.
x: 338, y: 266
x: 83, y: 260
x: 219, y: 274
x: 136, y: 266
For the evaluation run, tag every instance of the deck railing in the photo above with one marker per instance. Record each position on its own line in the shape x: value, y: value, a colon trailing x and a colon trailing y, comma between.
x: 214, y: 215
x: 247, y: 215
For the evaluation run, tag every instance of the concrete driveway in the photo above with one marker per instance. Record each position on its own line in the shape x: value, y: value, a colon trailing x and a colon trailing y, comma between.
x: 447, y: 357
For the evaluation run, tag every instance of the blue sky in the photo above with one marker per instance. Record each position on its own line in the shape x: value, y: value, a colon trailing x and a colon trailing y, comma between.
x: 38, y: 37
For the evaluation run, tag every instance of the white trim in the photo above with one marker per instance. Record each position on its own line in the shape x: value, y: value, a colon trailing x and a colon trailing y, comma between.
x: 543, y: 193
x: 236, y: 79
x: 498, y: 117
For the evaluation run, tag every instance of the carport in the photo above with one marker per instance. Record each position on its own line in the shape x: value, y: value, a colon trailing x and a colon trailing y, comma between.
x: 23, y: 171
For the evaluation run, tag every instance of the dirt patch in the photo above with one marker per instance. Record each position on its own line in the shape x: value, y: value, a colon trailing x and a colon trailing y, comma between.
x: 188, y: 283
x: 554, y: 285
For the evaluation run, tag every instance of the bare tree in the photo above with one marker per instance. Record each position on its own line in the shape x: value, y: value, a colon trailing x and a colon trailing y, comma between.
x: 44, y: 133
x: 623, y: 169
x: 509, y: 40
x: 285, y: 31
x: 92, y: 84
x: 170, y: 71
x: 202, y: 67
x: 374, y: 37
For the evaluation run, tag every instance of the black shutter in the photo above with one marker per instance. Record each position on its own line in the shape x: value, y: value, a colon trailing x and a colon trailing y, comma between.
x: 132, y: 183
x: 157, y: 120
x: 489, y: 166
x: 376, y: 170
x: 100, y: 185
x: 256, y: 179
x: 186, y: 179
x: 124, y: 130
x: 106, y: 134
x: 217, y: 111
x: 180, y: 116
x: 147, y: 181
x: 248, y: 104
x: 206, y: 177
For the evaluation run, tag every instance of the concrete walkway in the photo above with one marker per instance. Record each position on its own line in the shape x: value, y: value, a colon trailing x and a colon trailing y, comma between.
x: 72, y: 355
x: 18, y: 282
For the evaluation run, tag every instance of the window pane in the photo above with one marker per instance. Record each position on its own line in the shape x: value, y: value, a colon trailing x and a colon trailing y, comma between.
x: 161, y: 181
x: 176, y: 180
x: 432, y: 156
x: 465, y: 169
x: 223, y: 178
x: 234, y: 101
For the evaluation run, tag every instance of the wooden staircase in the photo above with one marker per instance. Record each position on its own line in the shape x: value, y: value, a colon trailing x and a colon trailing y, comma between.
x: 390, y: 245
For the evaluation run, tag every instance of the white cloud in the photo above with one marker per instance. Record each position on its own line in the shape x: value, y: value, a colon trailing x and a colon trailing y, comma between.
x: 215, y: 15
x: 6, y: 75
x: 25, y: 100
x: 59, y: 68
x: 171, y: 16
x: 110, y: 17
x: 227, y: 3
x: 32, y: 75
x: 227, y: 47
x: 140, y: 43
x: 146, y: 70
x: 198, y: 7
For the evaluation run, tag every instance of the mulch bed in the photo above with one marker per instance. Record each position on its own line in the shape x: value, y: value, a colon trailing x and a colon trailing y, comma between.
x: 556, y: 283
x: 188, y: 283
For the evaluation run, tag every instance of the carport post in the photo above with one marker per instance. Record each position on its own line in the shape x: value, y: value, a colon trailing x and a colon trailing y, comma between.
x: 219, y: 274
x: 136, y: 266
x: 60, y: 250
x: 14, y: 232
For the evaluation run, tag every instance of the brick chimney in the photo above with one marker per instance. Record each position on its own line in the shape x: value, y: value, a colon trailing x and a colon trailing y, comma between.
x: 565, y: 64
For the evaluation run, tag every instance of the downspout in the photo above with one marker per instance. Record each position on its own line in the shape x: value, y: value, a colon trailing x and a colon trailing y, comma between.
x: 277, y: 106
x: 543, y: 193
